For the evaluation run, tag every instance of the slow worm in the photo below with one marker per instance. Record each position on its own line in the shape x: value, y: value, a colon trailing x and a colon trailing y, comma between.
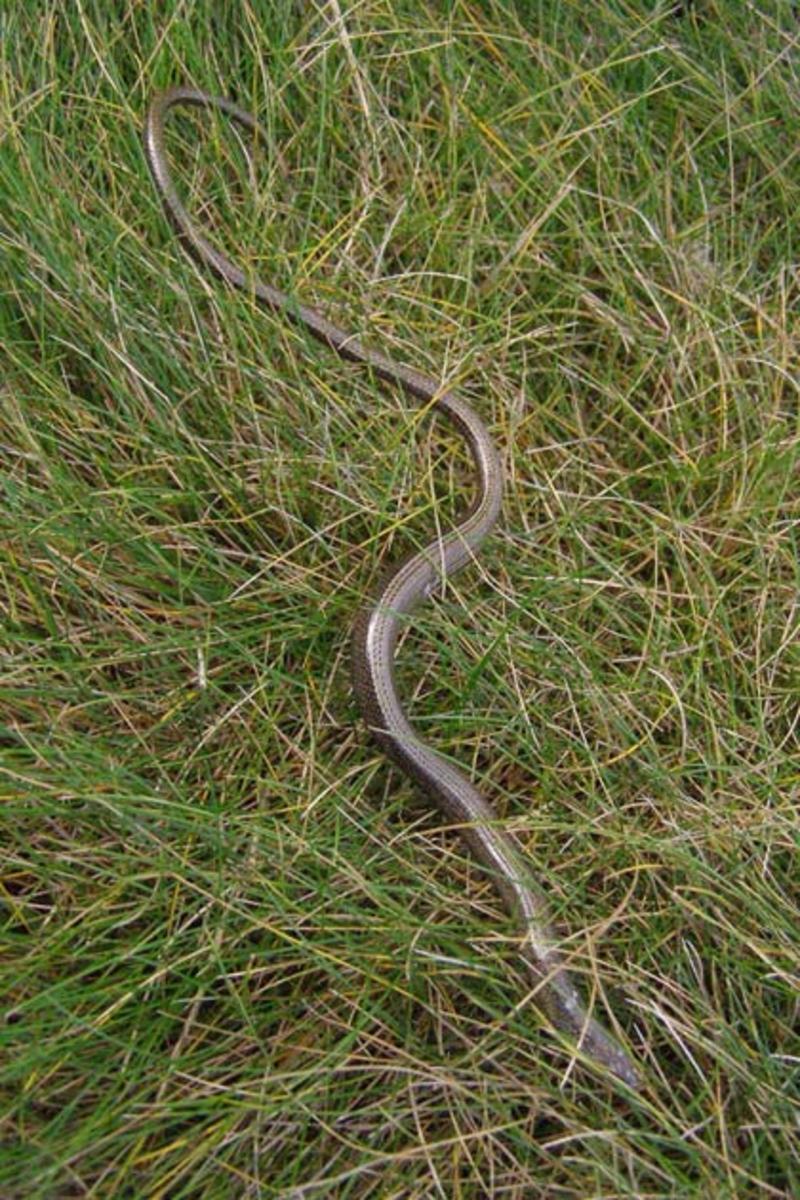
x: 378, y: 626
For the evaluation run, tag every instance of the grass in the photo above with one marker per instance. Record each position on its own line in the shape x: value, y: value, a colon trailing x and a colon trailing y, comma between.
x: 241, y: 956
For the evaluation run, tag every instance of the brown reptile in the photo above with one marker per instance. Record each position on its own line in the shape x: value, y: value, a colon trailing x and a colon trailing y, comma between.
x: 378, y: 626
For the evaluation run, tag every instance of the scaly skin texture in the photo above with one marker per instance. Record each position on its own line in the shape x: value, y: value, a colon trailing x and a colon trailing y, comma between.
x: 377, y: 627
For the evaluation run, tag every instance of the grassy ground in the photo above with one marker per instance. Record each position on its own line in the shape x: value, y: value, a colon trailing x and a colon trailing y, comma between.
x: 241, y: 956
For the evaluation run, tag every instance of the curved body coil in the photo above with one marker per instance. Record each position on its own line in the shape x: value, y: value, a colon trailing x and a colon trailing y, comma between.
x: 378, y: 626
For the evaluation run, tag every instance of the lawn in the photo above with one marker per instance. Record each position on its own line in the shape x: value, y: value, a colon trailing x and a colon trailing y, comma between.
x: 242, y: 955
